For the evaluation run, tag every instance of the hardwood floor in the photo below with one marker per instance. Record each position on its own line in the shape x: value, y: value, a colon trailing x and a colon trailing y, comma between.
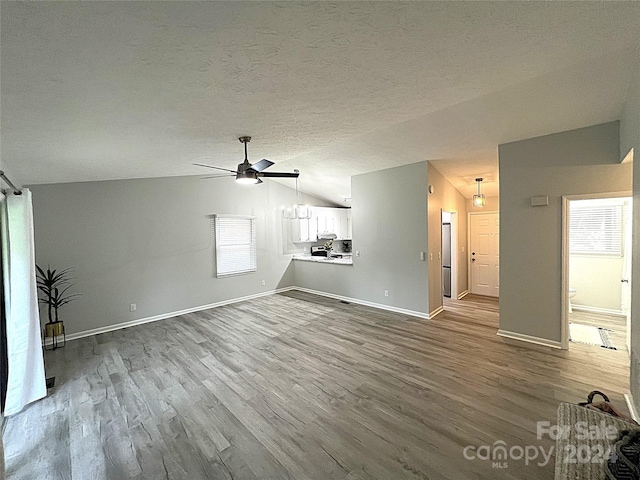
x: 300, y: 386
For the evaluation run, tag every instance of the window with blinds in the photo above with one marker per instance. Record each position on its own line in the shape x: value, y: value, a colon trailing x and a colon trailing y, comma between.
x: 236, y: 251
x: 596, y: 229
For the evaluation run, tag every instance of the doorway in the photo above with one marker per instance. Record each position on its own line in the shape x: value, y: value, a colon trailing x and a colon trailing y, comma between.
x: 596, y: 269
x: 484, y: 250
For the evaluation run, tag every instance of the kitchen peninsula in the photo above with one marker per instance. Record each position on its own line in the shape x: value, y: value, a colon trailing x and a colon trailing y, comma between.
x: 337, y: 260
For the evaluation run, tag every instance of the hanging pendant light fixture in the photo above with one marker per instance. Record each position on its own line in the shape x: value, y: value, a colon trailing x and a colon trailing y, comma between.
x: 478, y: 200
x: 299, y: 211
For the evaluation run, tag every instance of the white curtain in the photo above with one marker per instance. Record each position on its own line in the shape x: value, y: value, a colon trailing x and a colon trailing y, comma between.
x: 26, y: 381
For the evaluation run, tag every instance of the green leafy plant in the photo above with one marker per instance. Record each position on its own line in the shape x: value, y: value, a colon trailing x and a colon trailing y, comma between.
x: 328, y: 245
x: 54, y: 287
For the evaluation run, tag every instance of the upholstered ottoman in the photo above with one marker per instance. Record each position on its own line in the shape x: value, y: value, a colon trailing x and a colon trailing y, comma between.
x: 584, y: 440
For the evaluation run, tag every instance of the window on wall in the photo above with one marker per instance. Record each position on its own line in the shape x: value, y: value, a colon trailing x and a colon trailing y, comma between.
x: 596, y: 229
x: 236, y: 251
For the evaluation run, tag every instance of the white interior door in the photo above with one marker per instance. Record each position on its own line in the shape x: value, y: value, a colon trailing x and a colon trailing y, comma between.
x: 484, y: 250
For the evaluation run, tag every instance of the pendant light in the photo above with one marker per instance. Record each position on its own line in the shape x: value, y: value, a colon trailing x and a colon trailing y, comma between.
x: 478, y: 200
x: 297, y: 211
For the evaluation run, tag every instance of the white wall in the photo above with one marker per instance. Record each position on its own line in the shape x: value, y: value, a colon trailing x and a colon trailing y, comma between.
x: 150, y: 242
x: 569, y: 163
x: 389, y: 218
x: 630, y: 138
x: 596, y: 279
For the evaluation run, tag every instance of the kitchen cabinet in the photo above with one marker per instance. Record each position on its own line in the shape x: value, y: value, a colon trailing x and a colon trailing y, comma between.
x: 334, y: 220
x: 304, y: 230
x: 324, y: 220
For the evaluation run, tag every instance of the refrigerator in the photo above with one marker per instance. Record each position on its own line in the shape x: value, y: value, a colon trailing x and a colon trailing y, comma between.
x: 446, y: 260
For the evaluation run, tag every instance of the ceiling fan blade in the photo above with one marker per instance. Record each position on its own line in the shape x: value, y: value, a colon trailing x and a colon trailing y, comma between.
x: 216, y: 176
x: 261, y: 165
x: 279, y: 174
x: 211, y: 166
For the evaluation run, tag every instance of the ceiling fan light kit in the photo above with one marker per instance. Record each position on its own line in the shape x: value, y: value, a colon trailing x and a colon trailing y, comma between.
x: 248, y: 174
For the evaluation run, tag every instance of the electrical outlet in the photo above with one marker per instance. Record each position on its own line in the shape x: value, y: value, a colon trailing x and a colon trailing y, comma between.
x: 439, y: 256
x: 422, y: 256
x: 386, y: 293
x: 357, y: 253
x: 133, y: 307
x: 431, y: 256
x: 263, y: 283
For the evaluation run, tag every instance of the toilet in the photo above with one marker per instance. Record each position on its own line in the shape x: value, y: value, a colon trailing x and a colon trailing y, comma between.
x: 572, y: 293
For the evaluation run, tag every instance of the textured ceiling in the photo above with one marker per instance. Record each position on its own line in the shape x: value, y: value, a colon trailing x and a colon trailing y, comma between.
x: 107, y: 90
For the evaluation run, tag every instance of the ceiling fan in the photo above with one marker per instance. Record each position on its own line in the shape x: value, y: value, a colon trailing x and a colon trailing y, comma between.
x: 248, y: 173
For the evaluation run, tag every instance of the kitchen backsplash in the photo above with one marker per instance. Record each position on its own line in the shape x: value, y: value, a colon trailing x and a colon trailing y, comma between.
x: 342, y: 246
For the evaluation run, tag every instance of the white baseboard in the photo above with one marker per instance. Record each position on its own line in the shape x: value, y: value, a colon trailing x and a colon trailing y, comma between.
x: 436, y: 312
x: 530, y: 339
x: 606, y: 311
x: 164, y: 316
x: 632, y: 406
x: 461, y: 295
x: 389, y: 308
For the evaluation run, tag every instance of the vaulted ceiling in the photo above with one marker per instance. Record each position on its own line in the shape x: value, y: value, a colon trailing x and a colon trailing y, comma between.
x: 111, y: 90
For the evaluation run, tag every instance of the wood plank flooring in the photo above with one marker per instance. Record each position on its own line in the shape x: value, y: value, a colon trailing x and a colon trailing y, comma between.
x: 306, y: 387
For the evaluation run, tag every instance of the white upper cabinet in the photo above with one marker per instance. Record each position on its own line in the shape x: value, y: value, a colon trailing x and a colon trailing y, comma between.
x: 303, y: 230
x: 324, y: 220
x: 334, y: 220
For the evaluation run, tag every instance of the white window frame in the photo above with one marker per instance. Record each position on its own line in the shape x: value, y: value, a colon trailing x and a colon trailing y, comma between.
x: 235, y: 256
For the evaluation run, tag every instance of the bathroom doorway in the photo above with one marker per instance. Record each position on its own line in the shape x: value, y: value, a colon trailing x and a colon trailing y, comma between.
x: 596, y: 275
x: 449, y: 254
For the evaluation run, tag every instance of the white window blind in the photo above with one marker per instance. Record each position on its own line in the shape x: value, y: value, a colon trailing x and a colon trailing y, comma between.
x: 596, y: 229
x: 236, y: 250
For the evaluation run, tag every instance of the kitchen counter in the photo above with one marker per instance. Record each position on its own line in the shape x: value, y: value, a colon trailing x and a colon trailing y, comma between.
x: 346, y: 260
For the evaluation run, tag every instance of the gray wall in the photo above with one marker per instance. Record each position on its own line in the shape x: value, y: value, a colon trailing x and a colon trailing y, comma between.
x: 574, y: 162
x: 630, y: 138
x: 389, y: 217
x: 150, y: 242
x: 445, y: 197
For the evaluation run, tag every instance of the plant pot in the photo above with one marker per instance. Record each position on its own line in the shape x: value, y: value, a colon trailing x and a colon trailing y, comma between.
x: 54, y: 329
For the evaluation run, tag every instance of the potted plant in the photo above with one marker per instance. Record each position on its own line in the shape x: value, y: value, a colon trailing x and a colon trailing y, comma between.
x: 54, y: 286
x: 328, y: 246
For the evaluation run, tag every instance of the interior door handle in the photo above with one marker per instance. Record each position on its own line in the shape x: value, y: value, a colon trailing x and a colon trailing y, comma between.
x: 624, y: 280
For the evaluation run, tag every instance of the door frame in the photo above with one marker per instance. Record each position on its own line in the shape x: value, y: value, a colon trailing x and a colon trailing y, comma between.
x: 469, y: 242
x: 564, y: 284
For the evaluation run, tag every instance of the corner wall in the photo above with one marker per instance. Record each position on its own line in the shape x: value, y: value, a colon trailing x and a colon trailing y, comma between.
x: 150, y: 242
x: 575, y: 162
x: 389, y: 219
x: 447, y: 198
